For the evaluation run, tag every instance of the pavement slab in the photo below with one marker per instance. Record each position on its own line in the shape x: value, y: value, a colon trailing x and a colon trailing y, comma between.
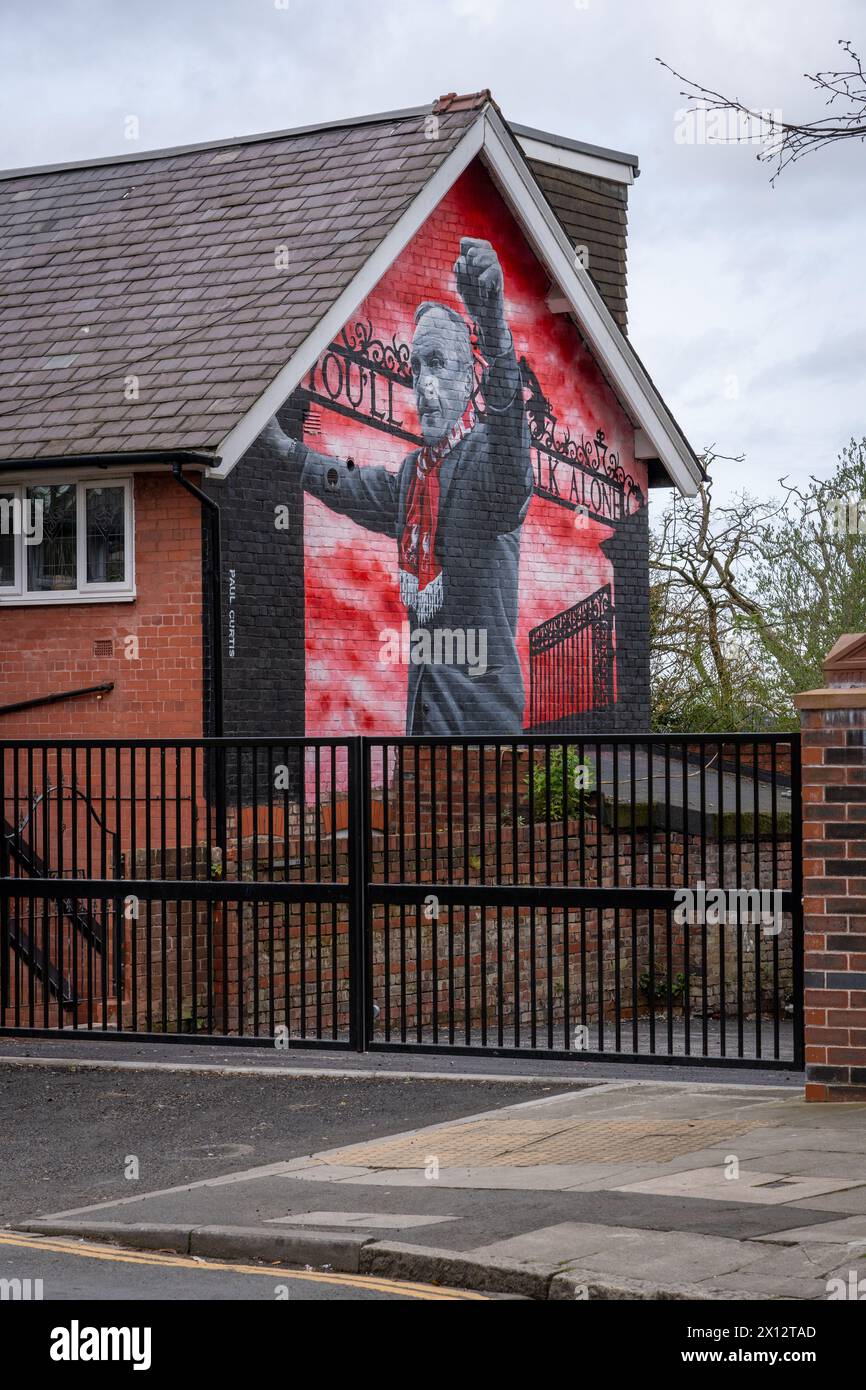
x: 716, y: 1263
x: 665, y: 1256
x: 798, y: 1271
x: 713, y: 1184
x: 851, y: 1202
x: 807, y: 1163
x: 357, y: 1220
x: 551, y: 1177
x: 850, y: 1230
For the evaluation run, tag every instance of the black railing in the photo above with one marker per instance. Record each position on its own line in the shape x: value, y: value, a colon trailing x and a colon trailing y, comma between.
x: 532, y: 895
x: 230, y: 915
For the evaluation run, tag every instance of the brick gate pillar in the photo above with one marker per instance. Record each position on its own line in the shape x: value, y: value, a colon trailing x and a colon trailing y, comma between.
x: 833, y: 722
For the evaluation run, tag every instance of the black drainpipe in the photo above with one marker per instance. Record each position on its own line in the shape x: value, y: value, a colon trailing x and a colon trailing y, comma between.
x: 215, y: 585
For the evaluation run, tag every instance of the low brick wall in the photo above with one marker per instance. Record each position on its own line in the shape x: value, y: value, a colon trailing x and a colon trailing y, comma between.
x: 435, y: 967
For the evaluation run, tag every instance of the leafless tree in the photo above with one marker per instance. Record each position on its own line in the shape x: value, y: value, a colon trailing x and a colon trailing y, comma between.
x: 748, y: 596
x: 707, y: 657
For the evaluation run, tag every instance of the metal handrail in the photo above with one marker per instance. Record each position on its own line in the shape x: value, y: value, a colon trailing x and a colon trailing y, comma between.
x: 102, y: 689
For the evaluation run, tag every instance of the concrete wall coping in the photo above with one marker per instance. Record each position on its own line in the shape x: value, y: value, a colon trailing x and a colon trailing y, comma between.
x: 835, y: 697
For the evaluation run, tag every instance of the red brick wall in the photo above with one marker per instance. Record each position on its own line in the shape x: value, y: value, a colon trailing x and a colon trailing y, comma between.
x: 49, y: 647
x: 834, y: 893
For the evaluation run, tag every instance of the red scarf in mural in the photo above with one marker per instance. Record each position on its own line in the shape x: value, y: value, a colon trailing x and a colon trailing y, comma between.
x: 420, y: 572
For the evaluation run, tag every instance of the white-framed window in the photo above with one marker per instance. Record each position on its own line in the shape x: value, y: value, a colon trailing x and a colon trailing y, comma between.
x: 66, y: 540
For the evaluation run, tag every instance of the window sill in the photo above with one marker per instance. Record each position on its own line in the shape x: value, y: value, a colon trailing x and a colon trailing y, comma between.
x: 62, y: 600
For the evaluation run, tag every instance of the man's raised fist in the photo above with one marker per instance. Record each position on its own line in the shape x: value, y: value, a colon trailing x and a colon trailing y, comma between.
x: 481, y: 287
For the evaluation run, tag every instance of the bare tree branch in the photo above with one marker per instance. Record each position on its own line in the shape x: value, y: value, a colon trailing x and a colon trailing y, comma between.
x: 786, y: 142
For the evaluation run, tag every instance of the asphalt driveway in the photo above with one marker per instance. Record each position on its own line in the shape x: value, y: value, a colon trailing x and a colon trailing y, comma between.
x: 70, y: 1137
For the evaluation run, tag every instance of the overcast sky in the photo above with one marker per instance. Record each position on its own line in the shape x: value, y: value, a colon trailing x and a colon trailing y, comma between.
x: 746, y: 301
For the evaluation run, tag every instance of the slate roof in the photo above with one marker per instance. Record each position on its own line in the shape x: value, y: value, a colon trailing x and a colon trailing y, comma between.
x: 163, y: 267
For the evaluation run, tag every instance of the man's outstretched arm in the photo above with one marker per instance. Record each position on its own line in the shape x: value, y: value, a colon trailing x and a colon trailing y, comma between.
x: 367, y: 495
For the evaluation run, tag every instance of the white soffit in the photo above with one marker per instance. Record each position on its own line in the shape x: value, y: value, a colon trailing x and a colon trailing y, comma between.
x: 548, y: 153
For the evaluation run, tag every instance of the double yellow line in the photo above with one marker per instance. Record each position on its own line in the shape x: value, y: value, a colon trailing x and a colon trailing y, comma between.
x: 369, y: 1283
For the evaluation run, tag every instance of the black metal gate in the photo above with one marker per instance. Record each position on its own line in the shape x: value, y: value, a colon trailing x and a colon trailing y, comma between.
x: 629, y: 897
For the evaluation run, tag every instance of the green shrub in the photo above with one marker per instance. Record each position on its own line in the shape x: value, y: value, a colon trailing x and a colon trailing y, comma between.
x: 580, y: 782
x: 660, y: 986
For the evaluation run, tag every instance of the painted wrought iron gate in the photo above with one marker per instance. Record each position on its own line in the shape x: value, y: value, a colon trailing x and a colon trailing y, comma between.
x: 630, y: 896
x: 571, y: 664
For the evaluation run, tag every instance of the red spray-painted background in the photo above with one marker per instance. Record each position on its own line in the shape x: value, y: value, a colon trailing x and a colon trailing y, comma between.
x: 351, y: 574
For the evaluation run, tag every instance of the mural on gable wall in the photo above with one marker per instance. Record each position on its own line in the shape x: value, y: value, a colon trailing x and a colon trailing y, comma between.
x: 463, y: 462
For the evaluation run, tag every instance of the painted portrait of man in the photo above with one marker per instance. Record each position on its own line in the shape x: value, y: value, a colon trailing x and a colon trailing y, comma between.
x: 455, y: 508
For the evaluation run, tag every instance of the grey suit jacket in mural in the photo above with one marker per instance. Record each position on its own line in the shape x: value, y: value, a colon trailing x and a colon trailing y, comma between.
x: 485, y: 489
